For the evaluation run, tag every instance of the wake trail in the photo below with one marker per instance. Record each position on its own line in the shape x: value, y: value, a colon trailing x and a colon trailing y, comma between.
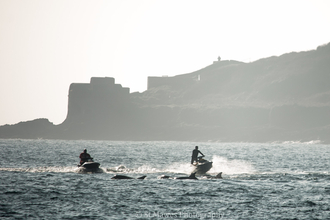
x: 220, y: 164
x: 41, y: 169
x: 186, y: 168
x: 226, y: 166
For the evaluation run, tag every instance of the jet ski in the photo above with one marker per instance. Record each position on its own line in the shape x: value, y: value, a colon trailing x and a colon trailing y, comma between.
x: 202, y: 165
x: 90, y: 166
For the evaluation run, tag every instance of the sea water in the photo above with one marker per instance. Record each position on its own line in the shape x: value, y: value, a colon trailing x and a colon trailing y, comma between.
x: 39, y: 179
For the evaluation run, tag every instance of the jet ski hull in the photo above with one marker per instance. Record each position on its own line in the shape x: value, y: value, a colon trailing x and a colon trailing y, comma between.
x: 202, y: 168
x: 88, y: 167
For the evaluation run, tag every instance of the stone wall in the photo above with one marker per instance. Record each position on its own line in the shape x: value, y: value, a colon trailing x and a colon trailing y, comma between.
x: 96, y: 107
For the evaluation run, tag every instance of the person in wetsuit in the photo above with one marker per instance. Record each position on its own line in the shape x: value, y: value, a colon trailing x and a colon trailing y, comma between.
x: 84, y: 156
x: 195, y: 154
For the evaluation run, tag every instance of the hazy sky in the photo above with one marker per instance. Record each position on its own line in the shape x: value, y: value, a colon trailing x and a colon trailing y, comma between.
x: 45, y: 45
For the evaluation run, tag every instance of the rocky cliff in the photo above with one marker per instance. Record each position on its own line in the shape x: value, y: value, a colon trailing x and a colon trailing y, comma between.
x: 273, y: 99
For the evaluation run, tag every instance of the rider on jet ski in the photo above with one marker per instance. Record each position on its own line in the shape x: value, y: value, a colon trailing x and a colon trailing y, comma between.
x: 195, y: 154
x: 84, y: 157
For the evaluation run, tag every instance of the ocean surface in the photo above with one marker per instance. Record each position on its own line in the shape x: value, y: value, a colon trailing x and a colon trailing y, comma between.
x: 39, y: 179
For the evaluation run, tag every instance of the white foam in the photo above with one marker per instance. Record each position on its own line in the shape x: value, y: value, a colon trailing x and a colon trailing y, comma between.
x: 146, y: 169
x: 42, y: 169
x: 180, y: 168
x: 124, y: 169
x: 298, y: 142
x: 222, y: 164
x: 119, y: 169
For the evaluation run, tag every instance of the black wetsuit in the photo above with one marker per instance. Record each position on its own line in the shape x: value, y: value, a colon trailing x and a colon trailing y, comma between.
x: 84, y: 157
x: 194, y: 155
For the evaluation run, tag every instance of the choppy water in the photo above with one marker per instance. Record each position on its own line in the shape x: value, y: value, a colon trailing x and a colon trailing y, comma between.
x: 39, y: 180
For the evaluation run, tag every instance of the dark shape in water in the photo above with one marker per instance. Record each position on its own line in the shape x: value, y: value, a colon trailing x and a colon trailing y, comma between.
x: 191, y: 177
x: 165, y: 177
x: 121, y: 177
x: 218, y: 176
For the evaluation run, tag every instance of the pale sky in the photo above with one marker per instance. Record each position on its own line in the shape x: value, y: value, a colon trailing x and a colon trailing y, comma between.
x: 45, y: 45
